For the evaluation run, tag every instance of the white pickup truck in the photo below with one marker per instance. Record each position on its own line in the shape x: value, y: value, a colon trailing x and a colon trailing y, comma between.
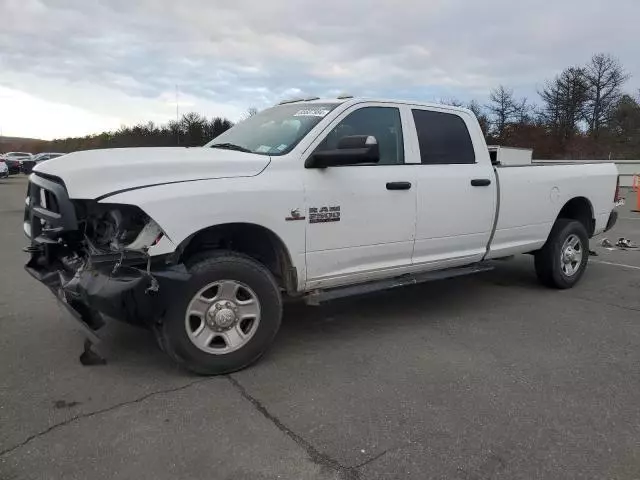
x: 313, y: 199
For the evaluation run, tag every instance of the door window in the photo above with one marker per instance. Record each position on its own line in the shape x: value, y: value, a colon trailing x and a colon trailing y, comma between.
x: 443, y: 138
x: 381, y: 122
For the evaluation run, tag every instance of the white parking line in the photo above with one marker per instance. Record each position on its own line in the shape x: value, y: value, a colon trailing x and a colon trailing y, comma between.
x: 616, y: 264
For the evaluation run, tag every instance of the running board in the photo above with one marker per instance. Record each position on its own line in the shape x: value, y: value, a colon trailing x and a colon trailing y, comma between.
x: 321, y: 296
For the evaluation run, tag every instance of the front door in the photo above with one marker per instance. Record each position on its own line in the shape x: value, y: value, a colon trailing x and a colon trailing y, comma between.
x: 361, y: 218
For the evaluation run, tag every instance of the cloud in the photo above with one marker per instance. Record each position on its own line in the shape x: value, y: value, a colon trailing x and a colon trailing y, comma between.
x: 121, y: 60
x: 28, y: 116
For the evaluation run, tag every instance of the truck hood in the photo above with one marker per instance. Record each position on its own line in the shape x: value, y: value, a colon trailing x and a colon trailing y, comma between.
x: 93, y: 174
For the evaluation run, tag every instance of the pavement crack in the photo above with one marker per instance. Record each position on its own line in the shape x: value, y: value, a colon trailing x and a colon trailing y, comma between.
x: 372, y: 459
x: 317, y: 457
x: 50, y: 429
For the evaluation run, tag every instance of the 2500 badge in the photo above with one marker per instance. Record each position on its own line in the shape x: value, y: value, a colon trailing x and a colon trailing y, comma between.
x: 324, y: 214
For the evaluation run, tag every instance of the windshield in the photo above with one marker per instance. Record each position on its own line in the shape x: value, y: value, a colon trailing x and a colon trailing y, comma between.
x: 18, y: 154
x: 274, y: 131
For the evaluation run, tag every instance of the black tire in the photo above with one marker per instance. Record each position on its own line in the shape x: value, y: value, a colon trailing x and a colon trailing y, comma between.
x: 548, y: 260
x: 217, y: 266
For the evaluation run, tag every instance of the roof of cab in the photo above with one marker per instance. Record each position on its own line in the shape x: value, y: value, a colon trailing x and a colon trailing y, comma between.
x: 355, y: 100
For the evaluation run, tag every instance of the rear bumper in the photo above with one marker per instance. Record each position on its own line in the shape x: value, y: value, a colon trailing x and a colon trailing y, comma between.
x: 100, y: 289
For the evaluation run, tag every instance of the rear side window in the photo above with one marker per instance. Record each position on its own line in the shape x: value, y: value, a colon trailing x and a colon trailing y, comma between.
x: 443, y: 138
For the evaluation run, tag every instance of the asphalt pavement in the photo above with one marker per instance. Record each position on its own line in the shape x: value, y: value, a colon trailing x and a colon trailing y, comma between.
x: 483, y: 377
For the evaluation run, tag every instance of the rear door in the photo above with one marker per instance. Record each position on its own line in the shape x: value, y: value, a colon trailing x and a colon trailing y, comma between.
x: 456, y: 199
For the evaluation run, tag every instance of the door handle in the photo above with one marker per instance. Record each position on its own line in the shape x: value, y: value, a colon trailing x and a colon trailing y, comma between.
x: 480, y: 182
x: 398, y: 185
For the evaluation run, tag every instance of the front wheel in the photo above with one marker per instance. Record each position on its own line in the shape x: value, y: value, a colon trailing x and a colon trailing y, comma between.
x: 228, y: 317
x: 563, y: 259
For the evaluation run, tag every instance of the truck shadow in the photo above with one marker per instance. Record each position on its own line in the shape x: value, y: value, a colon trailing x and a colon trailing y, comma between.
x: 406, y: 307
x: 133, y: 347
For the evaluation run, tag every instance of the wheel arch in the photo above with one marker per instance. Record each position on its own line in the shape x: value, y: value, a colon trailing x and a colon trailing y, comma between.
x: 251, y: 239
x: 581, y: 210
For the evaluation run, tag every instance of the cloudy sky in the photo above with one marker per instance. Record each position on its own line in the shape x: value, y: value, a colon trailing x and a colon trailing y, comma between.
x: 72, y: 67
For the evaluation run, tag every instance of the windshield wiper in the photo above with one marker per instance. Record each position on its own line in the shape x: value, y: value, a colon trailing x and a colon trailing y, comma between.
x: 231, y: 146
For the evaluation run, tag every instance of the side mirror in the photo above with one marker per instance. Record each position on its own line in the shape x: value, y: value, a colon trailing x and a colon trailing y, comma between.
x: 352, y: 150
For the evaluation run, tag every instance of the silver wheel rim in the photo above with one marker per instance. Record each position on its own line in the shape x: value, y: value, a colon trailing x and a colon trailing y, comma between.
x: 222, y: 317
x: 571, y: 255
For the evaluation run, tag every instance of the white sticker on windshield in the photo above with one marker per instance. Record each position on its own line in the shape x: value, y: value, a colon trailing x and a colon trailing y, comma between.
x: 281, y: 147
x: 312, y: 112
x: 263, y: 149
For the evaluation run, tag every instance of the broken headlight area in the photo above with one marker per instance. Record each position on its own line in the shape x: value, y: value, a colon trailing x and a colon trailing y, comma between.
x: 108, y: 228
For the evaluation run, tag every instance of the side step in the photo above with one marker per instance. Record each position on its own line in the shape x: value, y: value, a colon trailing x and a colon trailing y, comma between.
x: 321, y: 296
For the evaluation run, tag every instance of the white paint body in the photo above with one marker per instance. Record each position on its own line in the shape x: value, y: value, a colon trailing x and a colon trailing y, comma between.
x: 441, y: 222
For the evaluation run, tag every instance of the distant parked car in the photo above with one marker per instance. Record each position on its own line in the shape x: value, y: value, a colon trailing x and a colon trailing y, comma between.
x: 13, y: 159
x: 27, y: 165
x: 4, y: 170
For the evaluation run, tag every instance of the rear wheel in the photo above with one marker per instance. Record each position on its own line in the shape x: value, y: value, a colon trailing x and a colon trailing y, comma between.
x: 228, y: 317
x: 563, y: 259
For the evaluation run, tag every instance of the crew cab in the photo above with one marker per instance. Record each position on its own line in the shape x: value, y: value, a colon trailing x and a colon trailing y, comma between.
x: 310, y: 199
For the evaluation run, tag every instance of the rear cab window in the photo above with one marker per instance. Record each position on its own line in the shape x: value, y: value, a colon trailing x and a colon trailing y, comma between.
x: 443, y: 138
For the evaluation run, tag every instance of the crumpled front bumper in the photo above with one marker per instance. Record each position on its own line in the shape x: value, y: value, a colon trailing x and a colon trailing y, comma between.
x: 128, y: 286
x: 104, y: 287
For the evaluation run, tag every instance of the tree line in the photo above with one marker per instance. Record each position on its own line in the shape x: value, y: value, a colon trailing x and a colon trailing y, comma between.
x: 582, y: 113
x: 191, y: 130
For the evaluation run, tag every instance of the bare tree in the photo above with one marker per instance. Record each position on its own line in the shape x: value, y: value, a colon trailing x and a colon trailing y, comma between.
x: 625, y: 119
x: 564, y: 102
x: 624, y: 127
x: 251, y: 111
x: 452, y: 101
x: 481, y: 115
x: 502, y: 108
x: 524, y: 112
x: 549, y: 112
x: 605, y: 77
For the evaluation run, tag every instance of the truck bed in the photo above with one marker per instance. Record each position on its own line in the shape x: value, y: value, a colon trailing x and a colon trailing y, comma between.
x: 530, y: 199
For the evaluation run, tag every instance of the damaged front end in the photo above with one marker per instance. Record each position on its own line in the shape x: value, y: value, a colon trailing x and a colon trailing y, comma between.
x: 95, y: 257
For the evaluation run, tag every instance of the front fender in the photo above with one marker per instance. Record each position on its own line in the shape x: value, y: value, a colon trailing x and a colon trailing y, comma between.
x: 267, y: 200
